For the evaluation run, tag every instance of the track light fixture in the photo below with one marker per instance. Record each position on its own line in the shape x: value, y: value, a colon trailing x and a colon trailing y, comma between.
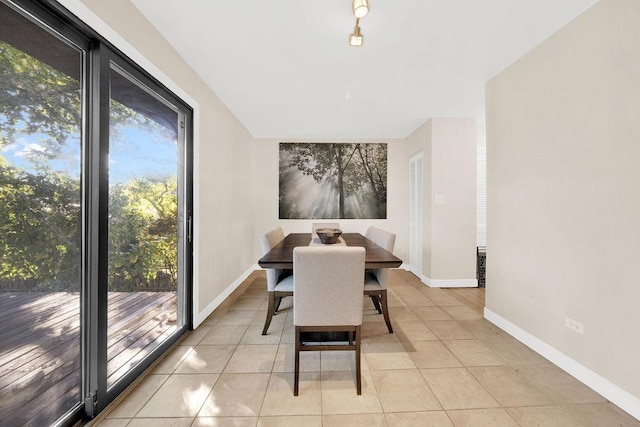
x: 360, y: 9
x: 356, y: 38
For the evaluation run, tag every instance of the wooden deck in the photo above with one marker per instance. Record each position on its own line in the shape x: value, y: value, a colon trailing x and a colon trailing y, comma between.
x: 40, y: 347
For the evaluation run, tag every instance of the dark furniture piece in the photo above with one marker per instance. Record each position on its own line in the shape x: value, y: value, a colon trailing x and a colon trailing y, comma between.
x: 279, y: 282
x: 376, y: 280
x: 281, y: 256
x: 481, y: 265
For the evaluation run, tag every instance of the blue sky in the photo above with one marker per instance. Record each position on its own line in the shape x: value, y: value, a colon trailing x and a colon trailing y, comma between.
x: 136, y: 153
x: 133, y: 153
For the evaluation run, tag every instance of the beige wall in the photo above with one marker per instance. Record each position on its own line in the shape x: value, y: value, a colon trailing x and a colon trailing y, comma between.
x: 266, y: 188
x: 562, y: 136
x: 449, y: 195
x: 563, y: 146
x: 223, y: 216
x: 453, y: 223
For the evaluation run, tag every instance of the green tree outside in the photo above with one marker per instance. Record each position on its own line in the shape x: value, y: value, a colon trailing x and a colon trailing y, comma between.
x: 40, y: 207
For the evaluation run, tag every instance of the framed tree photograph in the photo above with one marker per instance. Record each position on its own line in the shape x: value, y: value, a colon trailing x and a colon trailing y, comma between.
x: 333, y: 180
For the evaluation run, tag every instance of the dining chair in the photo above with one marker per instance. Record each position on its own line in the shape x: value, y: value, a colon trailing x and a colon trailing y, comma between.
x: 316, y: 225
x: 376, y: 280
x: 279, y: 282
x: 327, y: 298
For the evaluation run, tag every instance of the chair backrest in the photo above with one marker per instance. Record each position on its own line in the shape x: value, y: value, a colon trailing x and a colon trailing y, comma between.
x: 269, y: 240
x: 328, y: 285
x: 386, y: 241
x: 317, y: 225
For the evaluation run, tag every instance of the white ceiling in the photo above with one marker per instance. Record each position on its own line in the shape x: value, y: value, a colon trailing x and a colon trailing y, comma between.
x: 285, y: 69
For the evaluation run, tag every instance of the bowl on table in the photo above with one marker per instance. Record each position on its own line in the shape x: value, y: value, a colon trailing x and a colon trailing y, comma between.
x: 329, y: 236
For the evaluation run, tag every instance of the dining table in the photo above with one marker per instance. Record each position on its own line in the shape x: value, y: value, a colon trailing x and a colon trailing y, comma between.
x: 281, y: 256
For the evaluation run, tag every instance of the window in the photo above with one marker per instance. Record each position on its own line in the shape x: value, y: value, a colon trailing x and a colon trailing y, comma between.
x: 95, y: 198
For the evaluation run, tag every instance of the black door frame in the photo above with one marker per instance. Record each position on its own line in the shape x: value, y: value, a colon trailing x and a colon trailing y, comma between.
x: 99, y: 53
x: 99, y: 395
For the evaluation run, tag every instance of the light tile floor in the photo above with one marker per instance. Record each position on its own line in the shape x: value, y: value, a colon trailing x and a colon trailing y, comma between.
x: 444, y: 365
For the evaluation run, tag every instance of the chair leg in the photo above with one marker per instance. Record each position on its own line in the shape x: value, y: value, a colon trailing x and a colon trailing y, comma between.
x: 385, y: 310
x: 272, y: 303
x: 278, y: 301
x: 376, y: 303
x: 296, y: 374
x: 358, y: 377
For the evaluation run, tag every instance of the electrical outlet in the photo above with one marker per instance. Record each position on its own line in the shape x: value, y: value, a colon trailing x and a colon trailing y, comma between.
x: 574, y: 326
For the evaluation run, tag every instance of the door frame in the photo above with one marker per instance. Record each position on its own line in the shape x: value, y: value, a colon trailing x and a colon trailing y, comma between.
x: 416, y: 213
x: 97, y: 394
x: 98, y: 55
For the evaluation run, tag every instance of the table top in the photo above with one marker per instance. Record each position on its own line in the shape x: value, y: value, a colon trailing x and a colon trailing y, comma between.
x: 281, y: 256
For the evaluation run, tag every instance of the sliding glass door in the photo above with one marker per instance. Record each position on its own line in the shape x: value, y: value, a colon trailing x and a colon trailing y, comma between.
x: 139, y: 246
x: 146, y: 284
x: 95, y: 202
x: 41, y: 111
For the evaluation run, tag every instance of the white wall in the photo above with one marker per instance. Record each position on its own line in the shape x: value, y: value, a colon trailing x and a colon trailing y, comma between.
x: 266, y: 186
x: 223, y: 229
x: 449, y: 183
x: 420, y: 141
x: 563, y: 146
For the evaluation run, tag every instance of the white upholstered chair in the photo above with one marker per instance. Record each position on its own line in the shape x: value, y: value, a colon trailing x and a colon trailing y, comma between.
x: 328, y: 287
x: 377, y: 280
x: 317, y: 225
x: 279, y: 282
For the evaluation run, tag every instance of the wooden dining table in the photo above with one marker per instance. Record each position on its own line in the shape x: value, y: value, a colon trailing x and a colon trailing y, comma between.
x: 281, y: 256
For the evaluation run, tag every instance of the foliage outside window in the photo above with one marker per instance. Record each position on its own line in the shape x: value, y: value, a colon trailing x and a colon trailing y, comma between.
x: 40, y: 200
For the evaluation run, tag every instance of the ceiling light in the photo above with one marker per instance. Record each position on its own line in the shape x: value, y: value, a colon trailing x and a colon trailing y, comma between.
x: 356, y: 39
x: 360, y: 8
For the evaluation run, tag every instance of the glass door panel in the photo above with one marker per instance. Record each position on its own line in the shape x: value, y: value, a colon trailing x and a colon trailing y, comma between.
x: 145, y: 280
x: 41, y: 104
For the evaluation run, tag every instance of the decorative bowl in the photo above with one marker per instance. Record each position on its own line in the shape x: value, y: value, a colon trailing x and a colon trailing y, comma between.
x: 328, y: 236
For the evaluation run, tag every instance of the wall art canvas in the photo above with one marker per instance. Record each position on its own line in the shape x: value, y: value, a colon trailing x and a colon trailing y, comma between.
x: 333, y: 180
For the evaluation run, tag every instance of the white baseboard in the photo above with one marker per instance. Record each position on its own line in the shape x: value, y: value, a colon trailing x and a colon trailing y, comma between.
x: 606, y: 388
x: 438, y: 283
x: 198, y: 318
x: 449, y: 283
x: 424, y: 279
x: 454, y: 283
x: 441, y: 283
